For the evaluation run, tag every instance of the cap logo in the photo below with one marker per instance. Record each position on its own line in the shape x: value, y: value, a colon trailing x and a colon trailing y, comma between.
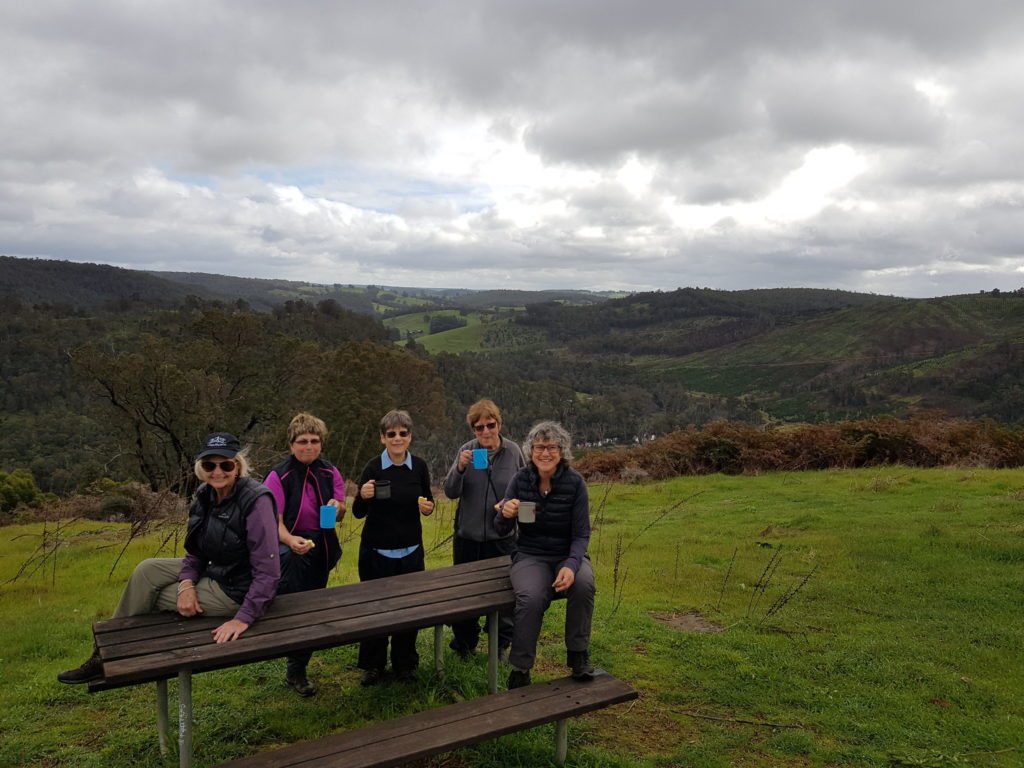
x: 217, y: 441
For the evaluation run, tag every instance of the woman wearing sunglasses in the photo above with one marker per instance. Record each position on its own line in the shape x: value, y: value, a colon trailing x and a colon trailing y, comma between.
x: 551, y: 552
x: 231, y: 565
x: 394, y: 491
x: 478, y: 484
x: 302, y: 484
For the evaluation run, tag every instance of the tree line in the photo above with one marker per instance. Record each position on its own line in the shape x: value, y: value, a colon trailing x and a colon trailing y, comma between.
x: 126, y: 390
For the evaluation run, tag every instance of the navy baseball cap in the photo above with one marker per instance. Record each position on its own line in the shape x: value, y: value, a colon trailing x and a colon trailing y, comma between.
x: 220, y: 444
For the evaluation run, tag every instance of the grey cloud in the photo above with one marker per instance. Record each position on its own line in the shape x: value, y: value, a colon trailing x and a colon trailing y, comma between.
x: 282, y: 138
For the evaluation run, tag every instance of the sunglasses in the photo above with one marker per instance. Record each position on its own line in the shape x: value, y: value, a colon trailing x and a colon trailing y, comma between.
x: 307, y: 441
x: 226, y: 466
x: 490, y: 426
x: 539, y: 449
x: 397, y: 433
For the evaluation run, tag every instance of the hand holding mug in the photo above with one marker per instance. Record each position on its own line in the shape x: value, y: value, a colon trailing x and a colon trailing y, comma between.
x: 367, y: 489
x: 465, y: 457
x: 340, y: 505
x: 510, y: 508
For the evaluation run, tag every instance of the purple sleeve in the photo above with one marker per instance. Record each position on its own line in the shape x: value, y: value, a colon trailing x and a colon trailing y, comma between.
x: 273, y: 482
x: 339, y: 485
x: 580, y: 529
x: 261, y: 536
x: 191, y: 568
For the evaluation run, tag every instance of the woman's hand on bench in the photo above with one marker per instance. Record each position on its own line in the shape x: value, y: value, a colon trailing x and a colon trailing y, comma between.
x: 229, y: 630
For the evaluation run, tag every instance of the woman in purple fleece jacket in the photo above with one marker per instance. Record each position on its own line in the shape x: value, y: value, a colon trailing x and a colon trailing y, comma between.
x: 231, y: 567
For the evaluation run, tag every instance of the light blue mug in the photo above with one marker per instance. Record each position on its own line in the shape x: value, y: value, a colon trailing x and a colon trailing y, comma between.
x: 328, y: 516
x: 479, y: 458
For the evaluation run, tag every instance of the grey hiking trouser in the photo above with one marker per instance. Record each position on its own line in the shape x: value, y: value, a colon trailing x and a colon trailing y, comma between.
x: 532, y: 577
x: 153, y: 586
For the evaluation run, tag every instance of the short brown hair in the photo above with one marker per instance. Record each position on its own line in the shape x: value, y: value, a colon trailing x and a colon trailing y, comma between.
x: 306, y: 424
x: 483, y: 409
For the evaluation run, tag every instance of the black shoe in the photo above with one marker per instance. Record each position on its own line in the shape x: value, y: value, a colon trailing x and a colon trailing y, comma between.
x: 372, y: 677
x: 405, y: 675
x: 301, y: 684
x: 518, y: 679
x: 579, y: 662
x: 462, y: 651
x: 90, y: 671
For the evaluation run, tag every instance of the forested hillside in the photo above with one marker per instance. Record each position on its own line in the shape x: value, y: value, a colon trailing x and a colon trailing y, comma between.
x: 122, y: 383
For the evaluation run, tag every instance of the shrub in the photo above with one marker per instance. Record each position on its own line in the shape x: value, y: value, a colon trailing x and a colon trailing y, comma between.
x: 18, y: 488
x: 927, y: 439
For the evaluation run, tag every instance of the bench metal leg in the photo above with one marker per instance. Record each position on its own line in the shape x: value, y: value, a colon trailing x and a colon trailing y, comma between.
x: 439, y: 649
x: 185, y: 719
x: 561, y: 741
x: 162, y: 727
x: 492, y: 652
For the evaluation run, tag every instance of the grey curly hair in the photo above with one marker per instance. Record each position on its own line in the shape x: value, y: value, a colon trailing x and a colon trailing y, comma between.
x: 550, y: 431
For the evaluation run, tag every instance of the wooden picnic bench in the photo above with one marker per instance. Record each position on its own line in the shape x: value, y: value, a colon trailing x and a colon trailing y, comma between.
x: 159, y: 646
x: 396, y: 742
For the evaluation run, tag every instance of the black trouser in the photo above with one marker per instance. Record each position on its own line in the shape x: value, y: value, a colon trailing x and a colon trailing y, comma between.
x: 373, y: 653
x: 467, y: 633
x: 301, y: 573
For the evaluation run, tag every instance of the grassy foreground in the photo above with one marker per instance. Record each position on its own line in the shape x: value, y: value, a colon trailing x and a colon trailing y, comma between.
x: 902, y: 648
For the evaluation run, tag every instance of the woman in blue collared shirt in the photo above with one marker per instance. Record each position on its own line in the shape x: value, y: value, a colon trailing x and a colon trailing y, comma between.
x: 392, y: 540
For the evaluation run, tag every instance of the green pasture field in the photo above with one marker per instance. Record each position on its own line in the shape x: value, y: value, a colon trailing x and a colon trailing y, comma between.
x: 858, y: 618
x: 454, y: 340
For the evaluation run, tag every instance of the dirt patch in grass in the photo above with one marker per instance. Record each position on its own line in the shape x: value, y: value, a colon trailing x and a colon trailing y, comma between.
x: 688, y: 622
x: 639, y: 728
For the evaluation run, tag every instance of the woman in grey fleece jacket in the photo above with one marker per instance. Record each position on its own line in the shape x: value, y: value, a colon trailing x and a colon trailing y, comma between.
x: 478, y: 490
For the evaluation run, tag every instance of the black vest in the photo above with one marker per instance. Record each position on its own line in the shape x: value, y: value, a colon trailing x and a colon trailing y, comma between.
x: 217, y: 535
x: 294, y: 475
x: 551, y: 534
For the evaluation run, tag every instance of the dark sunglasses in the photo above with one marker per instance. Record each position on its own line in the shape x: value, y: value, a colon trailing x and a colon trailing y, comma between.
x: 489, y: 426
x: 397, y: 433
x: 226, y: 466
x: 307, y: 441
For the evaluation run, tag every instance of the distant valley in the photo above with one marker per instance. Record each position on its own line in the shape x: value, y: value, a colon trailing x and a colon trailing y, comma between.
x: 616, y: 367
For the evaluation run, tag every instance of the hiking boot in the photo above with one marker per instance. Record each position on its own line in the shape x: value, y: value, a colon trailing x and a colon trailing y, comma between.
x: 462, y: 651
x: 90, y: 670
x: 405, y: 675
x: 301, y: 684
x: 372, y: 677
x: 579, y: 663
x: 518, y: 678
x: 465, y: 654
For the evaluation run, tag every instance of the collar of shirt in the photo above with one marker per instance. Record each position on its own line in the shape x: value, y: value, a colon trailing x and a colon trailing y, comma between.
x: 385, y: 460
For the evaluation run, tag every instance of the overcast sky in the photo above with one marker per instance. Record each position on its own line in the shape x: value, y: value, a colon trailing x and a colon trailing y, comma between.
x: 865, y: 145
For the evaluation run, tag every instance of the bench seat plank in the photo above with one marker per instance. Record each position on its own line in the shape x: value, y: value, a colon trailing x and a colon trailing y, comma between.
x: 435, y: 731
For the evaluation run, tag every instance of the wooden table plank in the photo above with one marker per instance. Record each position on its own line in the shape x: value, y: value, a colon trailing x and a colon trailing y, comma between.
x: 153, y: 624
x: 149, y: 648
x: 191, y: 633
